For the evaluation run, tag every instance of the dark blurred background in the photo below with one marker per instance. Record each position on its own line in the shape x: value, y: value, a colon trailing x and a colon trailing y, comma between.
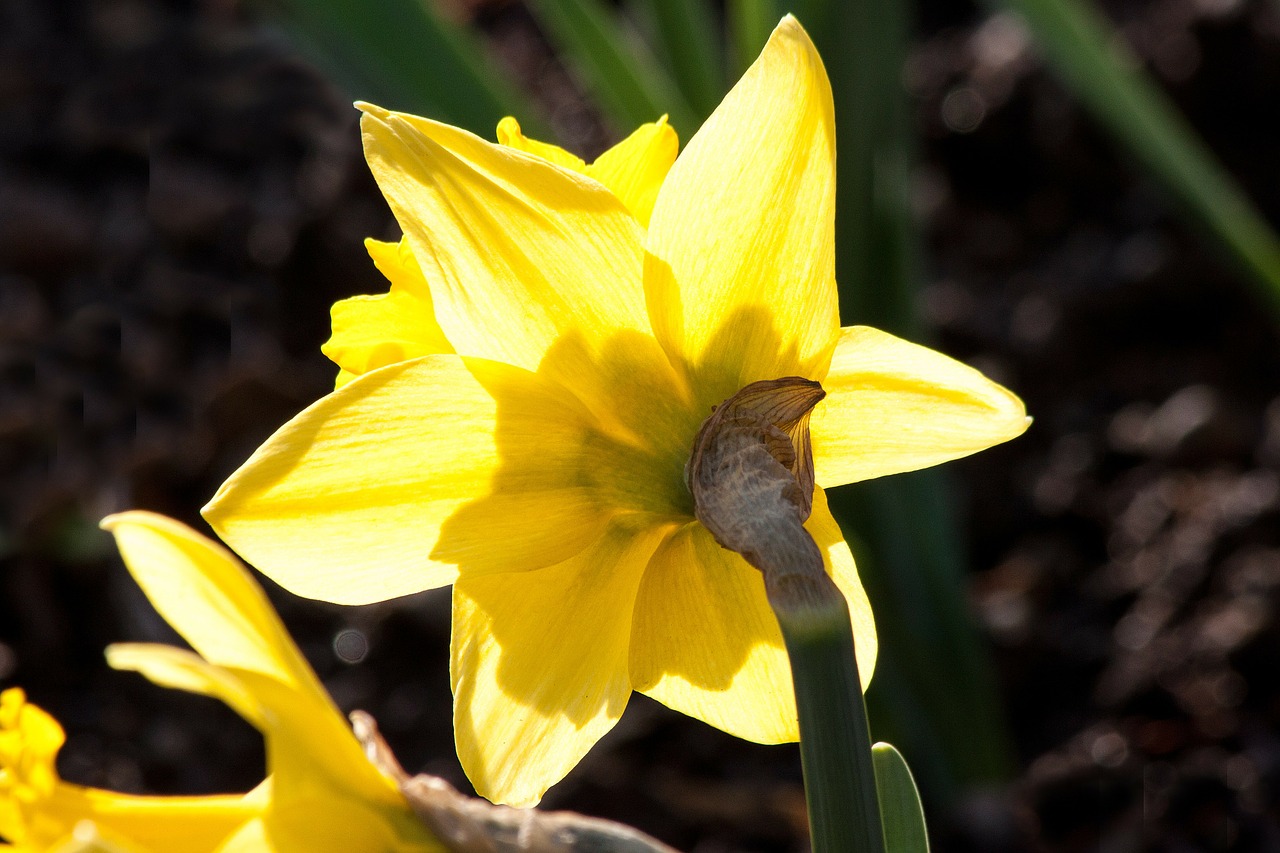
x: 182, y: 197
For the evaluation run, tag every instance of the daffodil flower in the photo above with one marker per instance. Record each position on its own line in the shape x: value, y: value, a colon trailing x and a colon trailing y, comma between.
x: 321, y: 792
x: 515, y: 416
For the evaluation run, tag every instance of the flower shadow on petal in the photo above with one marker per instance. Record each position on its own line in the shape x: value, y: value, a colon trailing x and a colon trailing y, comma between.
x: 596, y: 432
x: 635, y: 422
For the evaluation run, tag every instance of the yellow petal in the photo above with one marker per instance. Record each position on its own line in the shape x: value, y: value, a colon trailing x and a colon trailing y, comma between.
x: 318, y: 769
x: 705, y: 642
x: 510, y: 135
x: 518, y: 251
x: 153, y: 823
x: 540, y: 663
x: 397, y: 263
x: 339, y: 824
x: 179, y: 669
x: 208, y: 597
x: 373, y: 331
x: 312, y: 755
x: 635, y: 168
x: 29, y: 742
x: 741, y: 275
x: 894, y: 406
x: 390, y: 484
x: 309, y: 745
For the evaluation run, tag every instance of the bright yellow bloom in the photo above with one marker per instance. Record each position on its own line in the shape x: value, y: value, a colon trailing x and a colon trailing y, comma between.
x: 321, y: 792
x: 529, y: 448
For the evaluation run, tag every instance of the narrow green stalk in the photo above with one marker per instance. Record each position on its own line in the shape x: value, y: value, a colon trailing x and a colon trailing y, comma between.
x: 835, y: 743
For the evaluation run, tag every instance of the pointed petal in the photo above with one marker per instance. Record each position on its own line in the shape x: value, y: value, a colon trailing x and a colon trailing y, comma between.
x: 373, y: 331
x: 518, y: 252
x: 540, y: 663
x: 635, y: 168
x: 894, y: 406
x: 390, y: 484
x: 397, y: 263
x: 705, y: 642
x: 510, y: 135
x: 741, y: 276
x: 312, y: 755
x: 179, y: 669
x: 632, y: 170
x: 207, y: 596
x: 310, y: 749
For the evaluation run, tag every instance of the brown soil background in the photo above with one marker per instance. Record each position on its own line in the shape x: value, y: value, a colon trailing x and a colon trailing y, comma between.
x: 182, y: 197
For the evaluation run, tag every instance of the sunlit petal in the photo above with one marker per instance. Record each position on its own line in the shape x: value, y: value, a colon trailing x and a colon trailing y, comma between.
x: 706, y: 643
x: 373, y: 331
x: 207, y: 596
x: 154, y: 823
x: 894, y: 406
x: 39, y: 811
x: 635, y: 168
x: 510, y: 135
x: 740, y: 276
x: 179, y: 669
x: 540, y: 663
x: 312, y: 755
x: 348, y: 502
x: 517, y: 251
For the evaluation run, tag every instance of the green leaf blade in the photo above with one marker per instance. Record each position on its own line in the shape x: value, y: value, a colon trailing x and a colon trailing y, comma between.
x: 1078, y: 42
x: 901, y: 814
x: 627, y: 79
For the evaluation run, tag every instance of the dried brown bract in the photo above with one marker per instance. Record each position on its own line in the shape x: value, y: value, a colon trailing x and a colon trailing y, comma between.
x: 751, y: 474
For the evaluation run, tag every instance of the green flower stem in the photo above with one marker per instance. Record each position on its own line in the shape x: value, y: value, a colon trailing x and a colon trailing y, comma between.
x: 835, y: 743
x: 751, y: 476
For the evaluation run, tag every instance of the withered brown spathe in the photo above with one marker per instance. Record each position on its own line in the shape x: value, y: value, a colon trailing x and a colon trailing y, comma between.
x: 751, y: 474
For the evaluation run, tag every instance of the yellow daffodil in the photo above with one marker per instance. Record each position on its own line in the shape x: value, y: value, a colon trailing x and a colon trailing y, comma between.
x: 527, y: 398
x: 321, y: 792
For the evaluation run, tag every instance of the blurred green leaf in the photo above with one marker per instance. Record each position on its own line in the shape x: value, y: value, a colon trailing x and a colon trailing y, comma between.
x: 691, y: 41
x: 405, y: 56
x: 901, y: 814
x: 750, y: 22
x: 1097, y: 68
x: 624, y: 76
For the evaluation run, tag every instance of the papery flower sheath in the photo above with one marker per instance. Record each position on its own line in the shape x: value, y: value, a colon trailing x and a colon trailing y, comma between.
x: 514, y: 417
x: 321, y: 793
